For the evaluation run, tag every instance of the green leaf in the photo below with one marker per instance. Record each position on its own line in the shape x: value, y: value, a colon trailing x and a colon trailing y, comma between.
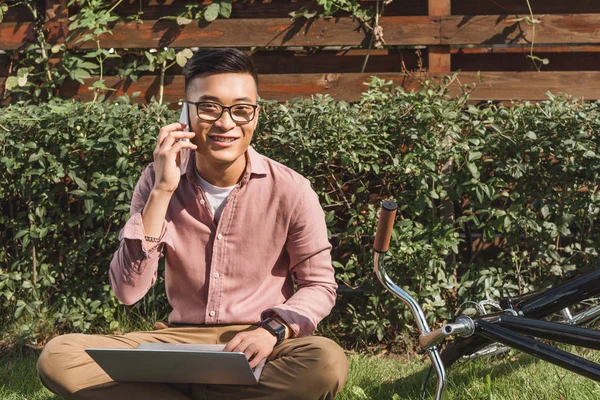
x: 19, y: 311
x: 225, y: 9
x: 11, y: 83
x: 79, y: 75
x: 211, y: 12
x: 43, y: 232
x: 21, y: 233
x: 545, y: 211
x: 182, y: 57
x: 183, y: 21
x: 3, y: 10
x: 22, y: 80
x: 80, y: 183
x: 473, y: 169
x: 475, y: 155
x: 531, y: 135
x: 57, y: 48
x: 88, y: 204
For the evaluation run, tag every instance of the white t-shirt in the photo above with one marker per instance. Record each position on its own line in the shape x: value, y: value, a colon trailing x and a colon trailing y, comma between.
x: 215, y: 195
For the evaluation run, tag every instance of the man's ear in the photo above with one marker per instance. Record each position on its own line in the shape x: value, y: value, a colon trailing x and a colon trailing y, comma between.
x: 257, y: 114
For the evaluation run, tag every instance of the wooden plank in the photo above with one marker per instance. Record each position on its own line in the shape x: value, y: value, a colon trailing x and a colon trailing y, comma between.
x: 532, y: 85
x: 420, y: 30
x: 287, y: 62
x: 503, y: 29
x: 501, y: 86
x: 16, y: 35
x: 524, y: 48
x: 291, y: 62
x: 258, y: 8
x: 494, y: 85
x: 574, y: 61
x: 479, y: 7
x: 18, y: 13
x: 271, y: 87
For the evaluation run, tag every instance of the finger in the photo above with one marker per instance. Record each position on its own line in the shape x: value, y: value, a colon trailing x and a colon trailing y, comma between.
x: 233, y: 343
x: 258, y: 357
x: 176, y: 148
x: 173, y: 136
x: 250, y: 352
x: 164, y: 131
x: 245, y: 346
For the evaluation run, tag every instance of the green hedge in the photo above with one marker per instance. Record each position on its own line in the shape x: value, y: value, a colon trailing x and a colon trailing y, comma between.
x: 494, y: 200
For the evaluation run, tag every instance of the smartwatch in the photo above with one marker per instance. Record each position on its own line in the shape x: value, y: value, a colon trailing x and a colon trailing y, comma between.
x: 275, y: 327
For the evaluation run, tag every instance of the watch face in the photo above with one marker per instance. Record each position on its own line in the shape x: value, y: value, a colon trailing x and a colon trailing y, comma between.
x: 274, y: 324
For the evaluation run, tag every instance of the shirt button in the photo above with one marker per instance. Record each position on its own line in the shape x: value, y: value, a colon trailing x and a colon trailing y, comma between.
x: 212, y: 313
x: 216, y: 275
x: 219, y: 236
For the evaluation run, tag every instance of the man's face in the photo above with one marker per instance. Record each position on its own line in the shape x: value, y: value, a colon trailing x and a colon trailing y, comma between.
x: 224, y: 140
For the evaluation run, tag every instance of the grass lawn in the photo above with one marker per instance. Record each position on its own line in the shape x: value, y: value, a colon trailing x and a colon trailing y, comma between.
x: 512, y: 377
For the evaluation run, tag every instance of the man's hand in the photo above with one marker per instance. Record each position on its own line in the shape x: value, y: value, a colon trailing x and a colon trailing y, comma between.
x: 256, y: 345
x: 166, y: 156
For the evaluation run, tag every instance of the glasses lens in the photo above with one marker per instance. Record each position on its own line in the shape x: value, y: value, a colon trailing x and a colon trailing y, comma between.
x: 209, y: 111
x: 242, y: 112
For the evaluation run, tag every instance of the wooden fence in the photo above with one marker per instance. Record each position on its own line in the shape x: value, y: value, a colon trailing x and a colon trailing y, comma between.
x: 424, y: 39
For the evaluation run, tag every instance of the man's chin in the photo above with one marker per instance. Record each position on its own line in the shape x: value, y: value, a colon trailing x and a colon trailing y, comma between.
x: 221, y: 156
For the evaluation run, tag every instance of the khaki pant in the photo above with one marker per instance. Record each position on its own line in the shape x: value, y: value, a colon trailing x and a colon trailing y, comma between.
x: 308, y: 368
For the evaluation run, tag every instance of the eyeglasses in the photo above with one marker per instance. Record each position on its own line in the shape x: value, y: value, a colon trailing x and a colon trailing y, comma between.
x: 211, y: 112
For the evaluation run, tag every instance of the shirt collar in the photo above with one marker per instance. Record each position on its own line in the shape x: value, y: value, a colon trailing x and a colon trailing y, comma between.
x: 255, y: 164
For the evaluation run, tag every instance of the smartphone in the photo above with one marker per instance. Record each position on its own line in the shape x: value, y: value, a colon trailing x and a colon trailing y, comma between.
x: 184, y: 118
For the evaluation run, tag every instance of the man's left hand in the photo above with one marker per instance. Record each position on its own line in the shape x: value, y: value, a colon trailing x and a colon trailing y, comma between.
x: 256, y: 345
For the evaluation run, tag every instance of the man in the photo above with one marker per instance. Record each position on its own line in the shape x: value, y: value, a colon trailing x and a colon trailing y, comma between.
x: 237, y: 230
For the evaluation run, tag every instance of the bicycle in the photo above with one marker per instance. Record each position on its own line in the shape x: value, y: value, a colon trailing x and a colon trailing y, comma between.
x: 518, y: 319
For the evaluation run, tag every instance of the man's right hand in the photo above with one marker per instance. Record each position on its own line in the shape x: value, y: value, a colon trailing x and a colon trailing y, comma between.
x: 166, y: 156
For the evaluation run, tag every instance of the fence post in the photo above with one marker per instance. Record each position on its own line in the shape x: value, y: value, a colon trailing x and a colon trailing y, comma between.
x: 439, y: 55
x: 439, y: 63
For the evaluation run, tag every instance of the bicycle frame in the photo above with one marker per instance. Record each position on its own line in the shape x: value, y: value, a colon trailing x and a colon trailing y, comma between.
x: 539, y: 305
x: 501, y: 327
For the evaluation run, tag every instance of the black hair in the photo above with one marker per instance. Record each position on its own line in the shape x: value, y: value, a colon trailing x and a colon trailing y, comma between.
x: 218, y: 61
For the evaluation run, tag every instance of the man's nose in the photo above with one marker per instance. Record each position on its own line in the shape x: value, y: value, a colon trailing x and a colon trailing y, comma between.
x: 225, y: 121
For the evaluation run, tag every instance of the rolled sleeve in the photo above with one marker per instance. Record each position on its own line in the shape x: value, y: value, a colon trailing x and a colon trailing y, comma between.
x: 133, y: 269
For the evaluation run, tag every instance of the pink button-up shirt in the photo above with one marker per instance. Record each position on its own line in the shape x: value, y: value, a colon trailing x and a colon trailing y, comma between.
x: 271, y: 234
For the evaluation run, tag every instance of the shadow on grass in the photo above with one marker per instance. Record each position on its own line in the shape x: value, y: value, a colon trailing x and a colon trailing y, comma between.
x: 461, y: 375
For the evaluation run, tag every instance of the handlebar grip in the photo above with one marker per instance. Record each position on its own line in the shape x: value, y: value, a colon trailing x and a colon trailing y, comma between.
x: 385, y: 226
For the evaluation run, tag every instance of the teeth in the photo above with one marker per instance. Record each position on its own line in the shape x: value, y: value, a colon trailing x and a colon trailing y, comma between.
x: 222, y: 139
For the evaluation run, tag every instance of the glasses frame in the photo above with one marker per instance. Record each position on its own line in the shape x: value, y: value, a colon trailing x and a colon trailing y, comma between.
x: 223, y: 108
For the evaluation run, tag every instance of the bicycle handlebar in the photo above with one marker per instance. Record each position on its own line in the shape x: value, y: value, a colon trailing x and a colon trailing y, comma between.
x: 385, y: 226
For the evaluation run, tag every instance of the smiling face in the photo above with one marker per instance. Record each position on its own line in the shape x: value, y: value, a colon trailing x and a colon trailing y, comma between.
x: 222, y: 143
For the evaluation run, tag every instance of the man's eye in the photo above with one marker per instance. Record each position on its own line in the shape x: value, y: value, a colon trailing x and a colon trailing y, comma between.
x: 243, y: 109
x: 208, y: 107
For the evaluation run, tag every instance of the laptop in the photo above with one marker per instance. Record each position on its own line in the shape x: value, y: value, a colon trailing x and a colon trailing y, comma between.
x: 177, y: 363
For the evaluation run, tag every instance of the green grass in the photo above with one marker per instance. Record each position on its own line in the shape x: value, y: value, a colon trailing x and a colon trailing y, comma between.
x: 513, y: 377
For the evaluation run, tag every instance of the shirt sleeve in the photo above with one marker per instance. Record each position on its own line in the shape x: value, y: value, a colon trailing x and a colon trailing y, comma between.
x: 310, y: 263
x: 133, y: 268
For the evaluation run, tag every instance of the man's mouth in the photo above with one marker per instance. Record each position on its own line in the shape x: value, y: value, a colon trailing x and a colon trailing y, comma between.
x: 223, y: 139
